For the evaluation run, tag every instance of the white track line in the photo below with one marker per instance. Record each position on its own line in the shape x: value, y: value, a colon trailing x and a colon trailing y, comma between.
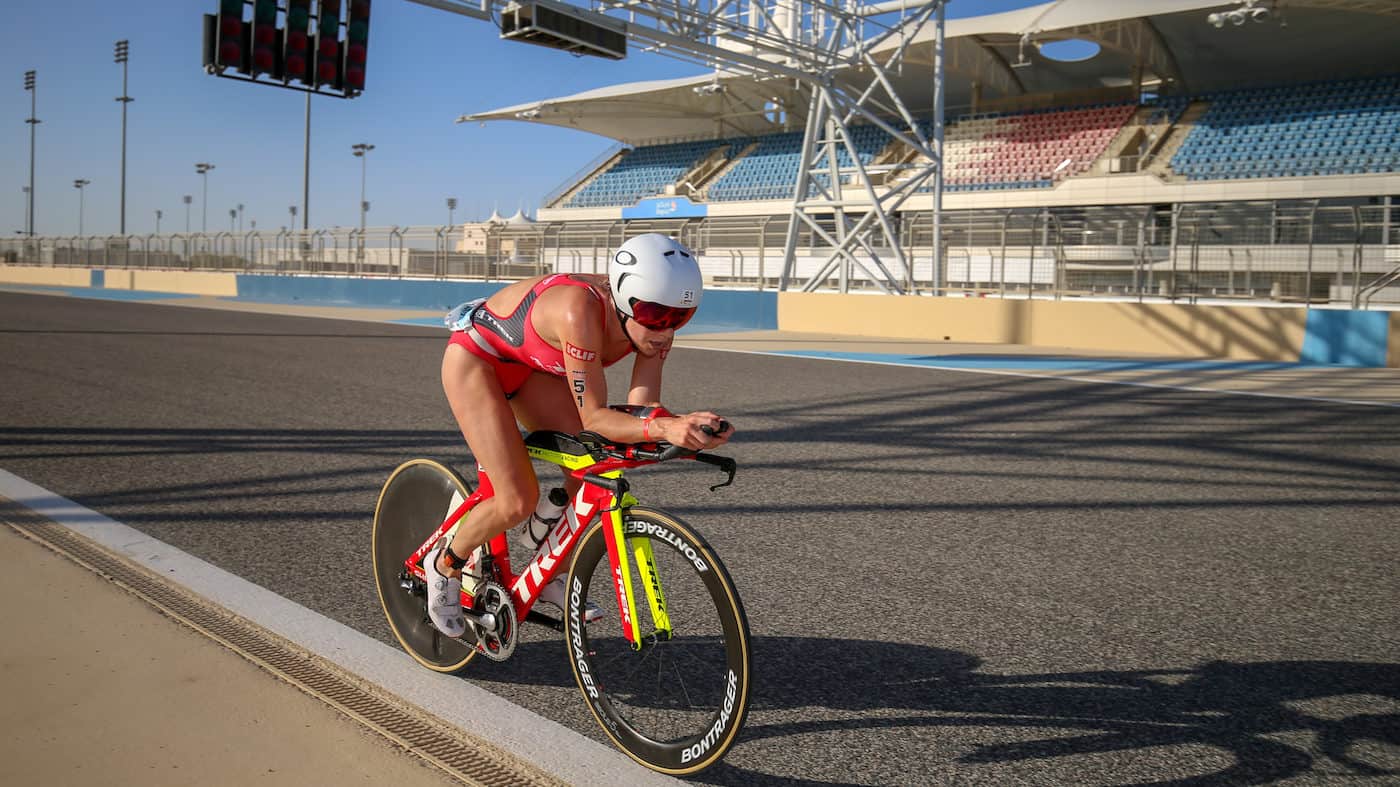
x: 550, y: 746
x: 1007, y: 373
x: 1001, y: 372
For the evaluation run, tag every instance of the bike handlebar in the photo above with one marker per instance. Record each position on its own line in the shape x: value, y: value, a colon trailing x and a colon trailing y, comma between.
x: 602, y: 448
x: 711, y: 431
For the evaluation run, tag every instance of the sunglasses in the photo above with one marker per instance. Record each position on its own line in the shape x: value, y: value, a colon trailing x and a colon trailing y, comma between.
x: 659, y: 316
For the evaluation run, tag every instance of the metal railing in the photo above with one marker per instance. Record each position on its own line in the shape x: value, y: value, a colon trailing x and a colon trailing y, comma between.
x: 1310, y: 252
x: 576, y: 180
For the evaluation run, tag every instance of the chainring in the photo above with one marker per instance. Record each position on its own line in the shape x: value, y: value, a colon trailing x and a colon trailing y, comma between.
x: 496, y: 644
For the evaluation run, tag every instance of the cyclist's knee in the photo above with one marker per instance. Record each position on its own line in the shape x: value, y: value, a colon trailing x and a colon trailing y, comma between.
x: 516, y: 502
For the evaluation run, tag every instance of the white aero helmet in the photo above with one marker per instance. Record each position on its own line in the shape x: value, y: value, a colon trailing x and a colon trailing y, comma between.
x: 655, y: 281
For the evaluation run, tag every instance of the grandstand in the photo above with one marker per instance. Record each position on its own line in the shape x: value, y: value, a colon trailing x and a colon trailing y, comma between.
x: 1082, y: 175
x: 1347, y: 127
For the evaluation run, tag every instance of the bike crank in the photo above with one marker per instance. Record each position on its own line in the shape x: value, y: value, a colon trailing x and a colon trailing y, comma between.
x: 493, y: 621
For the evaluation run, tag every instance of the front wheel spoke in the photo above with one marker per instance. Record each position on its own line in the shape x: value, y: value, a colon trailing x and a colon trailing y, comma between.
x: 622, y: 658
x: 680, y: 681
x: 693, y: 657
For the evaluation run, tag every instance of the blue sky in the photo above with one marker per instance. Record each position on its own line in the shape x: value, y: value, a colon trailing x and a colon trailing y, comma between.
x: 426, y: 67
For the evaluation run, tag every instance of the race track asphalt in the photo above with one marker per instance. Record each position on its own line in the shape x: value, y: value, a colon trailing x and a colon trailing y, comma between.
x: 950, y: 577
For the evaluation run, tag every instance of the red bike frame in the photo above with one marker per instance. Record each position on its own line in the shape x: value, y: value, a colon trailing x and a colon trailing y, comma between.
x: 594, y: 498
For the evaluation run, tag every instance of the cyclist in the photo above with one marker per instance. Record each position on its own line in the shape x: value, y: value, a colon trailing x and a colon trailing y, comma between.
x: 534, y: 353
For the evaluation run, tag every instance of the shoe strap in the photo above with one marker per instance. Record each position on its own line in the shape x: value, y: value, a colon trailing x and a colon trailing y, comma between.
x: 452, y: 559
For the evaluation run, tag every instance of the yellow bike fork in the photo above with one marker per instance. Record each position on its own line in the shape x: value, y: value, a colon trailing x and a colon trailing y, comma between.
x: 641, y: 553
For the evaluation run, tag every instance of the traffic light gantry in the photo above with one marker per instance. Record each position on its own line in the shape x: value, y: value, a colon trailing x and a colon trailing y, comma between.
x: 306, y: 45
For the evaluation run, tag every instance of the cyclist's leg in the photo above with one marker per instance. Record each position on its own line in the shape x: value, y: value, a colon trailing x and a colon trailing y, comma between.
x: 544, y: 402
x: 488, y: 424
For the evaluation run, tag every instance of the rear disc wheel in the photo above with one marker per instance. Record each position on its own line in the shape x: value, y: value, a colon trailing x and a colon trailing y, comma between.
x: 418, y: 496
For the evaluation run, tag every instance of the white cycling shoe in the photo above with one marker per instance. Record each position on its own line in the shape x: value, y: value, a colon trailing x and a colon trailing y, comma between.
x: 555, y: 593
x: 444, y: 598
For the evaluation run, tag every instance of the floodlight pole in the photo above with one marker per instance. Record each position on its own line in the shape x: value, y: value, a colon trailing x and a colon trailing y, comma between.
x: 78, y: 184
x: 203, y: 168
x: 30, y: 84
x: 306, y: 172
x: 121, y: 57
x: 361, y: 151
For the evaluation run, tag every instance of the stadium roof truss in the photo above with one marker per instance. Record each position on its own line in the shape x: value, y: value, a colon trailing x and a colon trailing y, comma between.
x: 853, y: 60
x: 828, y: 48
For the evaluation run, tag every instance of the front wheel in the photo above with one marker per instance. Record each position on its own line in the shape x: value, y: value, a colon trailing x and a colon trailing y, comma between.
x: 415, y: 500
x: 675, y: 700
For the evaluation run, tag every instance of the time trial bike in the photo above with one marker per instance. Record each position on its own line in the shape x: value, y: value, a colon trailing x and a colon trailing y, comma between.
x: 665, y: 671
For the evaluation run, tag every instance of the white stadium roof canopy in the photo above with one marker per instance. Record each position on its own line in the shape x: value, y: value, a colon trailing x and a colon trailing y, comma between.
x: 1171, y: 41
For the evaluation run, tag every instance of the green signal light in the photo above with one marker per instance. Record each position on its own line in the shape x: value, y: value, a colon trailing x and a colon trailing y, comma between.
x: 359, y: 31
x: 297, y: 18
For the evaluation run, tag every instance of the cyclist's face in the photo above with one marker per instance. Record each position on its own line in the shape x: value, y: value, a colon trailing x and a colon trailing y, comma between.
x: 650, y: 342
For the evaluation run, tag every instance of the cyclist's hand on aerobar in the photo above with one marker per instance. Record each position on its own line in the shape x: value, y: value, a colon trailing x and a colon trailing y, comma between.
x: 696, y: 431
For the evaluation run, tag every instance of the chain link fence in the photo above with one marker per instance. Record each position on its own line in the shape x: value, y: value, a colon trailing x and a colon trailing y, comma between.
x: 1299, y: 251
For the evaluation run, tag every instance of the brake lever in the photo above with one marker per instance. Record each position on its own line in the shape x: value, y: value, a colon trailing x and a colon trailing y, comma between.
x: 723, y: 463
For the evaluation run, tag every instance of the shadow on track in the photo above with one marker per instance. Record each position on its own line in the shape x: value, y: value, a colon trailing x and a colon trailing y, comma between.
x: 881, y: 688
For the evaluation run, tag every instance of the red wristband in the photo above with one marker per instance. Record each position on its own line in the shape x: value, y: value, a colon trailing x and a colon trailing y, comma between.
x: 656, y: 412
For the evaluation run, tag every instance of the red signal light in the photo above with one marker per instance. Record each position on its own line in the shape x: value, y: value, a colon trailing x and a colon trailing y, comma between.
x: 355, y: 53
x: 325, y: 71
x: 230, y: 53
x: 355, y: 78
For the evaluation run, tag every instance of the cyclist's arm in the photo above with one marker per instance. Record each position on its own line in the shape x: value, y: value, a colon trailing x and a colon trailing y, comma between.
x: 646, y: 380
x: 578, y: 327
x: 680, y: 430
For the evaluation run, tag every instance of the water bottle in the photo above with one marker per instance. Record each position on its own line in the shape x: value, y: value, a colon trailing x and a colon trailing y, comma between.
x: 534, y: 530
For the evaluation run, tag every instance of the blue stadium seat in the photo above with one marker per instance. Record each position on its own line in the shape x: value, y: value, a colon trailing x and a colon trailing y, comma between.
x: 643, y: 172
x: 1327, y: 128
